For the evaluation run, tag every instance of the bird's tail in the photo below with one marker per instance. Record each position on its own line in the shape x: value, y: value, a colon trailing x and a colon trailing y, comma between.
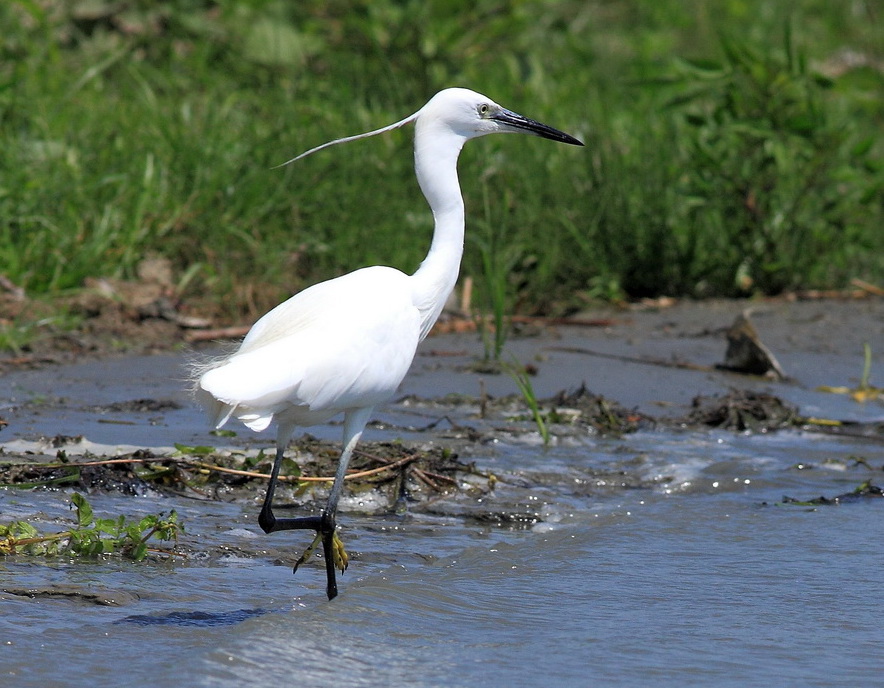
x: 219, y: 412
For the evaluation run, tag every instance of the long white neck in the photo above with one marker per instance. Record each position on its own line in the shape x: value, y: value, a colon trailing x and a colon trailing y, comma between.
x: 436, y: 150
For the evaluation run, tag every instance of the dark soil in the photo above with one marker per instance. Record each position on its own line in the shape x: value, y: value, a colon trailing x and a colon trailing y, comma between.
x: 743, y: 410
x: 396, y: 470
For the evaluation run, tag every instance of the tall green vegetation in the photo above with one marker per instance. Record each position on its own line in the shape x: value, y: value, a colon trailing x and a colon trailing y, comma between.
x: 779, y: 176
x: 718, y: 160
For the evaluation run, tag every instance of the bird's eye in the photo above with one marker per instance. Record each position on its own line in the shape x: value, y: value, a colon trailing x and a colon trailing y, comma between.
x: 483, y: 109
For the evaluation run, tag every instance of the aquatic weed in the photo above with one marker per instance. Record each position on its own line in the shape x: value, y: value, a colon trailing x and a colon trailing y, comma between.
x: 520, y: 376
x: 91, y: 536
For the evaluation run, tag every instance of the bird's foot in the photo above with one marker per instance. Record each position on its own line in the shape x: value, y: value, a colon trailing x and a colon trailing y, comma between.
x: 339, y: 554
x: 305, y: 557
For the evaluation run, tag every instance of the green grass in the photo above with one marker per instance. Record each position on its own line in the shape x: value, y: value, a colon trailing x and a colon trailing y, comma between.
x: 717, y: 161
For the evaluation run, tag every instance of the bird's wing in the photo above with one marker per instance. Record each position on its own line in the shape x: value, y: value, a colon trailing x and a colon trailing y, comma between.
x: 341, y: 344
x: 326, y: 303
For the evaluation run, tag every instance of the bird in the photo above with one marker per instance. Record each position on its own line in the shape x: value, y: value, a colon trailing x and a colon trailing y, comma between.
x: 343, y: 346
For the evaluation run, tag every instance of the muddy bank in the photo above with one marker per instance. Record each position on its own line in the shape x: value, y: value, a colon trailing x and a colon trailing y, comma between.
x: 619, y: 371
x: 149, y: 315
x: 125, y: 424
x: 675, y: 500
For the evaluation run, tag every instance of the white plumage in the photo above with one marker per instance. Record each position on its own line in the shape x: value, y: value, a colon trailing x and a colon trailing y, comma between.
x: 341, y: 344
x: 344, y: 345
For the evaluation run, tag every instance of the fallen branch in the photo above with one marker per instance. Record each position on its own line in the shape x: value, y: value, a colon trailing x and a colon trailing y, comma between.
x: 303, y: 478
x: 459, y: 324
x: 222, y: 469
x: 234, y: 332
x: 684, y: 365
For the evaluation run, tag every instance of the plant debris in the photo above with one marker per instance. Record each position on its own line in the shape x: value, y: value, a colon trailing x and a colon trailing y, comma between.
x: 201, y: 470
x: 743, y: 410
x: 90, y: 536
x: 865, y: 491
x: 139, y: 406
x: 593, y: 410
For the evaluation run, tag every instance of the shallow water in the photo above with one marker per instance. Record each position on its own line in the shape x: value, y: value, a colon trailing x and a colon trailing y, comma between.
x: 664, y: 556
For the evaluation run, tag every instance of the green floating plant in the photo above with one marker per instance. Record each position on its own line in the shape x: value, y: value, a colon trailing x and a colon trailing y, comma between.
x: 91, y: 536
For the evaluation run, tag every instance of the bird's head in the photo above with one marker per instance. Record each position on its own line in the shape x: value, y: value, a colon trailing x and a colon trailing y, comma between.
x: 465, y: 114
x: 469, y: 114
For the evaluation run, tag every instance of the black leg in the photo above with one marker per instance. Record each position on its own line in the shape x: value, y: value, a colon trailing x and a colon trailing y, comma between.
x: 324, y: 525
x: 328, y: 536
x: 268, y: 522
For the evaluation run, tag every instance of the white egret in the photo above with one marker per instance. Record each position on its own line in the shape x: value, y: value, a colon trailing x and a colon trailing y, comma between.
x: 344, y: 345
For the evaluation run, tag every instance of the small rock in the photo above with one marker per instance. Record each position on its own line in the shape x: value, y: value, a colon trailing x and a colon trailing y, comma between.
x: 746, y: 353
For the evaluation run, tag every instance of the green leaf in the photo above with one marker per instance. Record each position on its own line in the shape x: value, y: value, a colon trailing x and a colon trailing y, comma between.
x: 84, y: 510
x: 290, y: 467
x: 197, y: 450
x: 703, y: 66
x: 862, y: 147
x: 24, y: 529
x: 252, y: 461
x: 145, y: 523
x: 109, y: 526
x: 803, y: 124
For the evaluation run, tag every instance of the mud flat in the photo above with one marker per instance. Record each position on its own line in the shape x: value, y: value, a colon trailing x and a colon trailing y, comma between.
x: 684, y: 520
x: 622, y: 372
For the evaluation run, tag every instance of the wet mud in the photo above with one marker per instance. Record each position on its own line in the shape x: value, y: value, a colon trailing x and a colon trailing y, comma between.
x: 126, y: 426
x: 679, y: 520
x: 744, y: 410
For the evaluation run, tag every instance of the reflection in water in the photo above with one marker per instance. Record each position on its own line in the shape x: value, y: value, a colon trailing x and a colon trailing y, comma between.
x: 203, y: 619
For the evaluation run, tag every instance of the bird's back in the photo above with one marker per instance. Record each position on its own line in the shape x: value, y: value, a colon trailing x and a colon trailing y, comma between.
x: 342, y: 344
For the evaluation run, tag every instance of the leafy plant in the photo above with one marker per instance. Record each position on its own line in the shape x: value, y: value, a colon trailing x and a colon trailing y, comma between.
x: 773, y: 167
x: 91, y: 536
x: 132, y: 128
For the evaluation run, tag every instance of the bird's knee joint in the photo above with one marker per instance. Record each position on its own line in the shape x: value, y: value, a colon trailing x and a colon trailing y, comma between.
x: 327, y: 523
x: 266, y: 520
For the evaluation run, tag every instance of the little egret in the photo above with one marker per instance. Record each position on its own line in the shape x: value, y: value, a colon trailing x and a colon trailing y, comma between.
x: 344, y: 345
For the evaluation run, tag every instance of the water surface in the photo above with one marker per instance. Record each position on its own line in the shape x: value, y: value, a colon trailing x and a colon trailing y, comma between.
x: 664, y: 556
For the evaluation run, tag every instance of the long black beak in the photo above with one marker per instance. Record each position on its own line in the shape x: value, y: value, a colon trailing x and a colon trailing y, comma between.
x: 529, y: 126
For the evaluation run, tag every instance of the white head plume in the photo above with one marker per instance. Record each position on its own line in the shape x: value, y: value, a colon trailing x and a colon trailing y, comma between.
x: 355, y: 137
